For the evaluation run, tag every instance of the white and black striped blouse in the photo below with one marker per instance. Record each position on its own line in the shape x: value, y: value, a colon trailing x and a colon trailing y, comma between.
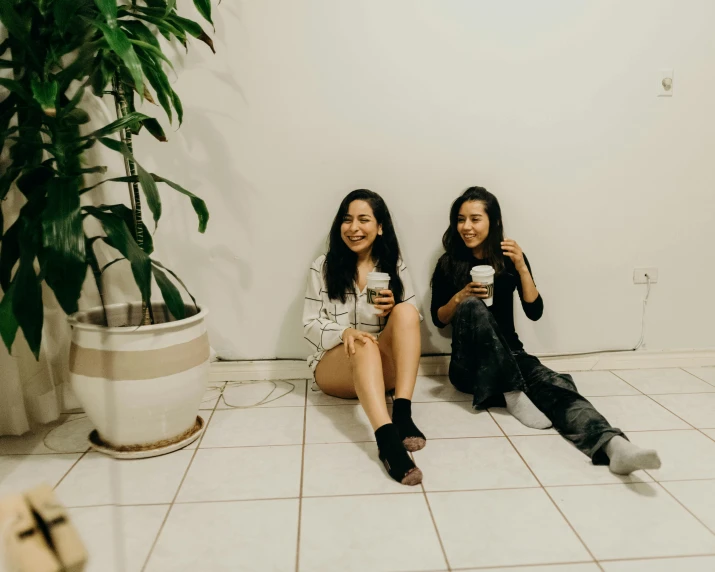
x: 325, y: 320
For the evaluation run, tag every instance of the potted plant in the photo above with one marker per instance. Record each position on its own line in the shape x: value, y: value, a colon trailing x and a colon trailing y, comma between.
x: 140, y: 381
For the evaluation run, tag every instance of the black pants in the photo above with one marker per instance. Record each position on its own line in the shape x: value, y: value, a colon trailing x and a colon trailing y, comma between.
x: 483, y: 365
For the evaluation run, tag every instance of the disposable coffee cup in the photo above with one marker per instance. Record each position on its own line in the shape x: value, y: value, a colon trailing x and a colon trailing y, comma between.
x: 485, y: 276
x: 376, y: 281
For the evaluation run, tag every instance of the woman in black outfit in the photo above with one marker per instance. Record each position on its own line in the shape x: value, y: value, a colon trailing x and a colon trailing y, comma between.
x: 488, y: 359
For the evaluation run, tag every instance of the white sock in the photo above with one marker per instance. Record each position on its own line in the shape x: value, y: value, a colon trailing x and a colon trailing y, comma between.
x: 625, y: 457
x: 521, y: 407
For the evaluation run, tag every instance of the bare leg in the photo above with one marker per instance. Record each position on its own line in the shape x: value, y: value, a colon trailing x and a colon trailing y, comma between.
x: 400, y: 345
x: 400, y: 348
x: 359, y: 375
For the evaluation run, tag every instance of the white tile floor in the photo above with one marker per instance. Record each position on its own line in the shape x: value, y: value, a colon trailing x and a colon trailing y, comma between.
x: 296, y: 484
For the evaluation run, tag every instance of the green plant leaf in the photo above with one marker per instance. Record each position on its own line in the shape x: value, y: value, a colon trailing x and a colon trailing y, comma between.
x: 158, y: 80
x: 160, y: 265
x: 32, y: 182
x: 77, y: 117
x: 153, y: 51
x: 108, y: 8
x: 14, y: 22
x: 153, y: 127
x: 73, y: 103
x: 15, y: 87
x: 119, y: 43
x: 64, y: 11
x: 8, y: 322
x: 176, y: 102
x: 7, y: 111
x: 119, y: 237
x: 117, y: 125
x: 170, y: 293
x: 199, y: 205
x: 9, y: 253
x: 127, y: 215
x: 45, y: 93
x: 204, y: 8
x: 165, y: 26
x: 127, y: 179
x: 27, y: 299
x: 146, y: 181
x: 110, y: 264
x: 63, y: 242
x: 194, y: 29
x: 140, y: 31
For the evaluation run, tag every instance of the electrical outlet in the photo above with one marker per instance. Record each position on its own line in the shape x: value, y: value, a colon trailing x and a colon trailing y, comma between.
x: 639, y: 275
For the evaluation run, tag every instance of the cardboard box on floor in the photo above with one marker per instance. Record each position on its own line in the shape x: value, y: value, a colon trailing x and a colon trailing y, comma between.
x: 36, y: 534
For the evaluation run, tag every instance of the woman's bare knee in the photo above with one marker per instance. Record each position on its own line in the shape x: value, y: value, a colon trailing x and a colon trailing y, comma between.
x: 405, y: 314
x: 364, y: 353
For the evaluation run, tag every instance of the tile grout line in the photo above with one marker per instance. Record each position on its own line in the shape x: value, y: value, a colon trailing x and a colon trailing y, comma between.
x: 649, y: 473
x: 82, y: 456
x: 558, y: 508
x: 671, y: 412
x: 696, y: 376
x: 302, y: 476
x: 696, y: 517
x: 181, y: 483
x: 523, y: 566
x: 434, y: 523
x: 638, y: 558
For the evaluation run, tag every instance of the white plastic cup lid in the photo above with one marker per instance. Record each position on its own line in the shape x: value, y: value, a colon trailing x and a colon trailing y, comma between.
x: 483, y: 271
x: 378, y: 276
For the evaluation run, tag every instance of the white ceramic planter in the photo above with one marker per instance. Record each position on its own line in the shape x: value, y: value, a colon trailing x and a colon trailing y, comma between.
x: 141, y: 387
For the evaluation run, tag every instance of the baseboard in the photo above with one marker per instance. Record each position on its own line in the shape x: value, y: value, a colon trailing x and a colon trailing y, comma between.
x: 439, y: 365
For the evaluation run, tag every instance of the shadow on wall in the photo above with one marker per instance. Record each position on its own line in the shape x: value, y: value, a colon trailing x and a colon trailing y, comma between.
x: 428, y: 346
x: 292, y: 327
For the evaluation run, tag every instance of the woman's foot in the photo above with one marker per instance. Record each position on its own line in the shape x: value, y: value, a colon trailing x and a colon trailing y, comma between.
x: 398, y: 463
x: 521, y: 407
x: 412, y: 438
x: 625, y: 457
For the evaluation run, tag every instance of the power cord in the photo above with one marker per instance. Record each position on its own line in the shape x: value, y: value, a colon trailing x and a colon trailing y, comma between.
x: 222, y: 397
x: 641, y: 340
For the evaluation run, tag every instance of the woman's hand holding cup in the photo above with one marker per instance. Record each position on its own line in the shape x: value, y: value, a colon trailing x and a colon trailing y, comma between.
x: 351, y: 335
x: 475, y: 289
x: 385, y: 302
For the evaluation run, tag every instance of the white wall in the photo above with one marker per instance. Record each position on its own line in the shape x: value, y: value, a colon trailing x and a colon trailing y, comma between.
x: 551, y: 105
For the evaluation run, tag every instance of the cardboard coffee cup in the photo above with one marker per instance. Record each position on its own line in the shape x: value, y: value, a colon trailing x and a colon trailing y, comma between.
x: 485, y: 276
x: 376, y: 281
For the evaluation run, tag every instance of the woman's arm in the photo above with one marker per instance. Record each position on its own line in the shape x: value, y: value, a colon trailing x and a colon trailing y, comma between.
x: 445, y: 301
x: 531, y: 300
x: 529, y: 293
x: 318, y: 328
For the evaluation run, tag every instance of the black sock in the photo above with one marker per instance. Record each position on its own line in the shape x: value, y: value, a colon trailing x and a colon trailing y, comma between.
x: 398, y: 463
x: 412, y: 437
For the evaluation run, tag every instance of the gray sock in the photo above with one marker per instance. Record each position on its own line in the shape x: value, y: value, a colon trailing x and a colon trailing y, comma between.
x: 521, y: 407
x: 625, y: 457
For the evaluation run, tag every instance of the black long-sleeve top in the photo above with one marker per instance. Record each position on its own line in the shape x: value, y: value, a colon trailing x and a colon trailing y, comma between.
x: 444, y: 287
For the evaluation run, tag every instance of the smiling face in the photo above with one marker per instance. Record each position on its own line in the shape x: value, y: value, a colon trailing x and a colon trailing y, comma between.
x: 359, y: 228
x: 473, y: 225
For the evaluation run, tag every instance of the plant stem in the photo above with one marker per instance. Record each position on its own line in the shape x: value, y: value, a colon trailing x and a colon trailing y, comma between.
x: 122, y: 106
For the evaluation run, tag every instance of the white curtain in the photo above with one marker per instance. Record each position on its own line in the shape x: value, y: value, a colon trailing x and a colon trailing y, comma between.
x: 33, y: 392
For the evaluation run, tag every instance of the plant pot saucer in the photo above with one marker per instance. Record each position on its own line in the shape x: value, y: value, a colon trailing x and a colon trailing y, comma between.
x: 161, y: 448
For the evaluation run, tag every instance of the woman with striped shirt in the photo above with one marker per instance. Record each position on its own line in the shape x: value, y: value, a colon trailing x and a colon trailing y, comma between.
x: 358, y: 353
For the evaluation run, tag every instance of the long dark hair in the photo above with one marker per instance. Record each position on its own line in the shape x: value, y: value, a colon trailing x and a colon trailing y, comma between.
x: 340, y: 269
x: 457, y: 260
